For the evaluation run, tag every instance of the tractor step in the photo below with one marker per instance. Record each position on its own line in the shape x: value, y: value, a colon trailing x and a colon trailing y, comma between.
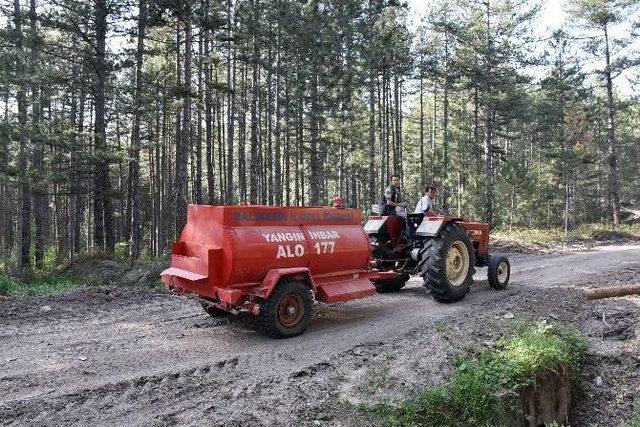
x: 345, y: 291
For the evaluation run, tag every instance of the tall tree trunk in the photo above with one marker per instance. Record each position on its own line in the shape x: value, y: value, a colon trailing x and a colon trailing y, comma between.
x: 24, y: 209
x: 197, y: 180
x: 476, y: 123
x: 164, y: 180
x: 231, y: 69
x: 179, y: 157
x: 276, y: 183
x: 423, y: 176
x: 380, y: 92
x: 157, y: 179
x: 397, y: 136
x: 268, y: 176
x: 300, y: 163
x: 255, y: 163
x: 488, y: 123
x: 208, y: 119
x: 315, y: 168
x: 103, y: 235
x: 5, y: 214
x: 77, y: 199
x: 372, y: 136
x: 121, y: 226
x: 182, y: 152
x: 372, y: 190
x: 445, y: 123
x: 134, y: 224
x: 612, y: 145
x: 39, y: 188
x: 242, y: 136
x: 255, y: 93
x: 222, y: 198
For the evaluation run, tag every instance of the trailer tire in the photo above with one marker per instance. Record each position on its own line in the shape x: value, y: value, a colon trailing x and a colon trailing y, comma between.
x: 214, y: 311
x: 391, y: 285
x: 499, y: 271
x: 288, y: 311
x: 447, y: 264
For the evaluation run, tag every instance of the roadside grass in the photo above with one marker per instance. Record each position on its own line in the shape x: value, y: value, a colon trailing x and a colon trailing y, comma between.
x: 86, y: 270
x: 483, y: 389
x: 635, y: 418
x: 584, y: 233
x: 38, y: 284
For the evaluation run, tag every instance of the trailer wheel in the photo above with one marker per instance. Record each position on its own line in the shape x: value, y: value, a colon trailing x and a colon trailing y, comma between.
x: 499, y: 271
x: 391, y: 285
x: 447, y: 264
x: 214, y: 311
x: 288, y: 310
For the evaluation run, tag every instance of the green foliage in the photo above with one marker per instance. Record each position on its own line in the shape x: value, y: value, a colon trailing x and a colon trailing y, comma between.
x: 482, y: 390
x: 122, y: 250
x: 51, y: 259
x: 7, y: 284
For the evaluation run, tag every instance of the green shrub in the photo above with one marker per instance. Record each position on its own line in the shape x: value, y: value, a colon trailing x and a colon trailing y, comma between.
x: 483, y: 389
x: 121, y: 251
x: 7, y: 285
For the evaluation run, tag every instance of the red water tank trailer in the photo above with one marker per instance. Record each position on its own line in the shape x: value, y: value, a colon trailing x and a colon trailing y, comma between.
x: 271, y: 261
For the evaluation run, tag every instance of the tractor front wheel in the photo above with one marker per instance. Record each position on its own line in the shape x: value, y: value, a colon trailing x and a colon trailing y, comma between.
x: 447, y: 264
x: 391, y: 285
x: 499, y: 271
x: 288, y: 310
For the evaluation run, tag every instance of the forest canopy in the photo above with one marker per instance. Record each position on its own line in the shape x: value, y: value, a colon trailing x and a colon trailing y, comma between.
x: 118, y: 113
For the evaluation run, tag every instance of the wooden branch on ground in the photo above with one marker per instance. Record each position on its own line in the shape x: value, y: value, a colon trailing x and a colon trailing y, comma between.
x: 615, y: 291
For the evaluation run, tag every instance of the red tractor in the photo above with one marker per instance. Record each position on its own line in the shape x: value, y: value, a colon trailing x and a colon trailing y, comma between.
x: 443, y: 250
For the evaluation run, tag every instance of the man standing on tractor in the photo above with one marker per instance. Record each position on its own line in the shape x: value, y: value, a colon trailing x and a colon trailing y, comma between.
x: 425, y: 204
x: 391, y: 198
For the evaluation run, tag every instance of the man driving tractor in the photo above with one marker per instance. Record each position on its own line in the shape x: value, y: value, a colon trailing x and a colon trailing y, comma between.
x: 391, y: 197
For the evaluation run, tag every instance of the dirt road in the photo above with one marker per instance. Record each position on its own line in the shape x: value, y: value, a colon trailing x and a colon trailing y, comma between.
x: 146, y: 357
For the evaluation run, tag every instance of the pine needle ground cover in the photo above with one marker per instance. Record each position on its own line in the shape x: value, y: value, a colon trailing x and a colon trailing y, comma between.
x: 484, y: 390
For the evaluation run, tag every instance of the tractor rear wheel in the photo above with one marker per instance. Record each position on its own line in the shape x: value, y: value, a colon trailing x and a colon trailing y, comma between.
x: 288, y: 310
x: 499, y: 271
x: 447, y: 264
x: 391, y: 285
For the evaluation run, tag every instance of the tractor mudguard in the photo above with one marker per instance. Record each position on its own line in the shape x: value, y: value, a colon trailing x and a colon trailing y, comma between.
x: 430, y: 228
x: 374, y: 224
x: 273, y: 277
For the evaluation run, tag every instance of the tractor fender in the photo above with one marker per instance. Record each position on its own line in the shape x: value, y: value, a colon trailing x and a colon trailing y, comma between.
x: 374, y: 224
x: 274, y: 275
x: 430, y: 228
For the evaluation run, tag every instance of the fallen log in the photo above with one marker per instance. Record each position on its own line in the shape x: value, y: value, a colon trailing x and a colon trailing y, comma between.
x: 615, y: 291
